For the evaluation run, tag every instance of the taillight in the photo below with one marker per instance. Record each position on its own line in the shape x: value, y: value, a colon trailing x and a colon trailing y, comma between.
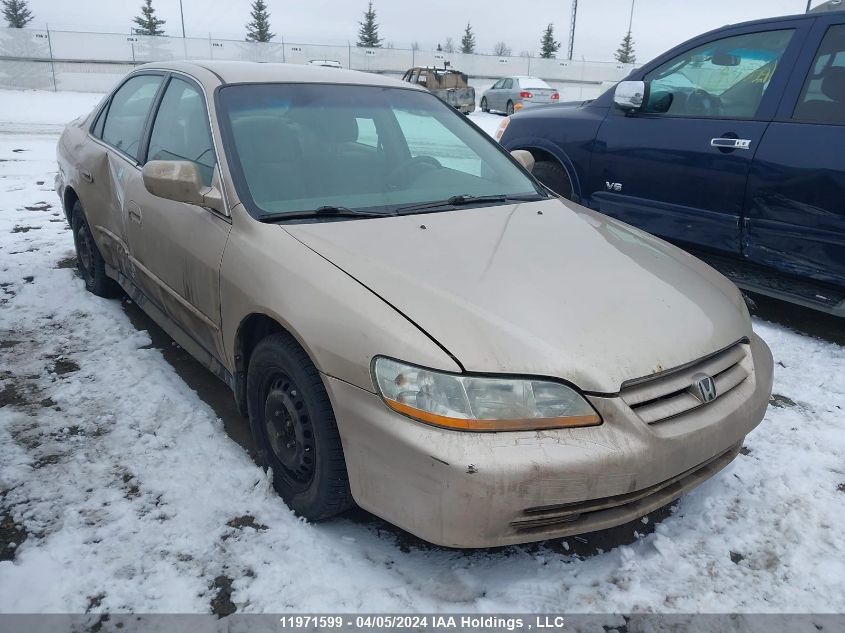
x: 555, y: 96
x: 525, y: 94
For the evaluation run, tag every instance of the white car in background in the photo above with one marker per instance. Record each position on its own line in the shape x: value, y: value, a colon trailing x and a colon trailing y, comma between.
x: 510, y: 94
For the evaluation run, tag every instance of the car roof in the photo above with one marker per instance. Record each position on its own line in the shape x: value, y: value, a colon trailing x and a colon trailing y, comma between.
x: 232, y: 72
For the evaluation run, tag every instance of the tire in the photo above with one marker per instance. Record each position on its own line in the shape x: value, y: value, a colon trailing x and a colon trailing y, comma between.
x: 294, y: 429
x: 484, y: 107
x: 510, y: 108
x: 89, y: 261
x: 554, y: 176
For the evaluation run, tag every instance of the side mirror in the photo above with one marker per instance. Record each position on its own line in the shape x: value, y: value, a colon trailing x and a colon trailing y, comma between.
x: 525, y: 158
x: 180, y: 181
x: 629, y: 95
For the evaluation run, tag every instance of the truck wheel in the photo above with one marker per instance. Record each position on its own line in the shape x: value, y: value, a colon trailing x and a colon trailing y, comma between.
x: 89, y: 261
x: 554, y: 176
x: 294, y: 429
x: 510, y: 108
x: 484, y: 107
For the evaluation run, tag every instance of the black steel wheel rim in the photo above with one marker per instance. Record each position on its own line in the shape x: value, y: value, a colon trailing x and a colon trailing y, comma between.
x: 288, y: 429
x: 85, y: 251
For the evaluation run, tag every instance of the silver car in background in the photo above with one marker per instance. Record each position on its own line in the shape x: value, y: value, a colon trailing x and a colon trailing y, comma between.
x: 510, y: 94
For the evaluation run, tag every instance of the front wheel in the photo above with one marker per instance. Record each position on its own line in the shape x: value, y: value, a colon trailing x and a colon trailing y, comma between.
x: 484, y: 107
x: 554, y: 176
x: 294, y: 429
x: 89, y: 261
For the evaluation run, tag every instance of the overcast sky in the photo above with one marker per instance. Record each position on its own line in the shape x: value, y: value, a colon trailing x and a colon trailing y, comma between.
x: 601, y: 24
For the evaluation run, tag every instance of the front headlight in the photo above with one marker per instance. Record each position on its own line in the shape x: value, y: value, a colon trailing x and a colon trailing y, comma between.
x: 479, y: 403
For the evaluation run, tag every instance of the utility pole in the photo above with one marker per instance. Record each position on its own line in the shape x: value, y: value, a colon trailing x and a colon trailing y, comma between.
x: 572, y: 28
x: 809, y: 2
x: 631, y: 19
x: 182, y: 15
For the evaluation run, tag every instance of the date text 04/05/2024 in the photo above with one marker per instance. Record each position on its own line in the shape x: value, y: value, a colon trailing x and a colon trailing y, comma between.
x: 508, y: 623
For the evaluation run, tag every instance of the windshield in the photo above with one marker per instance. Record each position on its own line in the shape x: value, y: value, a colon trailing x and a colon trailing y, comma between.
x: 301, y: 147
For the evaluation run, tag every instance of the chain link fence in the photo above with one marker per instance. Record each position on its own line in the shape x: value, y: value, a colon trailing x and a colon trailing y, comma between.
x: 93, y: 62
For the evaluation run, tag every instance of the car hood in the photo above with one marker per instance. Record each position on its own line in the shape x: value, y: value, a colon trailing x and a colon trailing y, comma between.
x: 544, y: 288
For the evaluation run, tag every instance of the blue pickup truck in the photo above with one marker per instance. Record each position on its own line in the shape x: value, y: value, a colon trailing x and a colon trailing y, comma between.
x: 731, y: 145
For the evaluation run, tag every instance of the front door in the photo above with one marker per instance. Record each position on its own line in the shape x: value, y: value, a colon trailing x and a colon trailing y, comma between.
x: 796, y: 201
x: 176, y: 248
x: 679, y: 167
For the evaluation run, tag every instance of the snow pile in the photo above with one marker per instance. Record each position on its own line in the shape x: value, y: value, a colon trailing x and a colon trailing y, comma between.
x: 124, y: 492
x: 32, y: 111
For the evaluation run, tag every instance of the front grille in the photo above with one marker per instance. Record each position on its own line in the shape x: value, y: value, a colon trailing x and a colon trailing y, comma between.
x: 672, y: 393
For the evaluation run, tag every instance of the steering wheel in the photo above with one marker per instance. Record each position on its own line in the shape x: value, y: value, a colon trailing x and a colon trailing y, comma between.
x: 703, y: 103
x: 403, y: 173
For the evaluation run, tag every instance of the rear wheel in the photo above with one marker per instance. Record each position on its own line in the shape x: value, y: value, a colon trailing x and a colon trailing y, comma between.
x: 484, y: 106
x: 89, y: 261
x: 554, y: 176
x: 510, y: 108
x: 294, y: 429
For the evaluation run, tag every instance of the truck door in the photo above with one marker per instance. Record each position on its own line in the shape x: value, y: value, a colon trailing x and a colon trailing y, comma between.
x: 678, y: 168
x: 796, y: 192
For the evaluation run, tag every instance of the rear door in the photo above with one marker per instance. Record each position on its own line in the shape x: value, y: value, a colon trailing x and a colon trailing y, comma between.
x: 109, y: 164
x: 796, y: 193
x: 679, y: 167
x: 175, y: 247
x: 505, y: 94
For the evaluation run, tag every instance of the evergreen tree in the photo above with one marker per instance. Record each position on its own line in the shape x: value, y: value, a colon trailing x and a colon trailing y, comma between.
x: 148, y: 23
x: 368, y: 34
x: 439, y: 48
x: 468, y: 40
x: 625, y: 52
x: 450, y: 45
x: 259, y: 29
x: 17, y: 14
x: 548, y: 45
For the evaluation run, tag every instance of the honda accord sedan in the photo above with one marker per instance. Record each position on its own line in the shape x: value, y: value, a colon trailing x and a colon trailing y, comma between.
x: 410, y: 321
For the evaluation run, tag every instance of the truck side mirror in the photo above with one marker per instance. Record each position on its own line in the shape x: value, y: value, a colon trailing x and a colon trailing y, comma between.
x: 629, y: 95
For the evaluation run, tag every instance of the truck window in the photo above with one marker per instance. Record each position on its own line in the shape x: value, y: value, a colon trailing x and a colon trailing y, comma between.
x: 823, y: 96
x: 724, y: 78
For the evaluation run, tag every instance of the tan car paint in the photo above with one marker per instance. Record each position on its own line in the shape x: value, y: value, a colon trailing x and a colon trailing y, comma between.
x: 464, y: 490
x: 543, y: 288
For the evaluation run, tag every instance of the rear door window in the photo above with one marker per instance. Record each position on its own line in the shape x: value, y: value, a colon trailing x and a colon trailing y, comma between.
x: 128, y: 112
x: 823, y: 96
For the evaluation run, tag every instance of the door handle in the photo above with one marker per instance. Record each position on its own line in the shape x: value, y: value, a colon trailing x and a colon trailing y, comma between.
x: 730, y: 143
x: 86, y: 175
x: 135, y: 213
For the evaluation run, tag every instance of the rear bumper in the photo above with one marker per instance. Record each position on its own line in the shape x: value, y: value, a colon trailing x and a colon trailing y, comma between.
x: 489, y: 489
x: 527, y: 105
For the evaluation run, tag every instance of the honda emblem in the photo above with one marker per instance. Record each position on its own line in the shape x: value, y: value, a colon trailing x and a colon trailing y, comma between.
x: 704, y: 387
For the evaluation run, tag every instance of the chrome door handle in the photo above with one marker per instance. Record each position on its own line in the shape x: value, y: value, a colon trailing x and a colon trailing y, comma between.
x: 730, y: 143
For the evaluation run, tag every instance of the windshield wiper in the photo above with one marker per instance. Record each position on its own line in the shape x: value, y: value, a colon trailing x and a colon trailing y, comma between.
x: 323, y: 212
x: 463, y: 200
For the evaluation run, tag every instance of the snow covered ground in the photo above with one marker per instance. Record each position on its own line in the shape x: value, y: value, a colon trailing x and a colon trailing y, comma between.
x: 121, y: 490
